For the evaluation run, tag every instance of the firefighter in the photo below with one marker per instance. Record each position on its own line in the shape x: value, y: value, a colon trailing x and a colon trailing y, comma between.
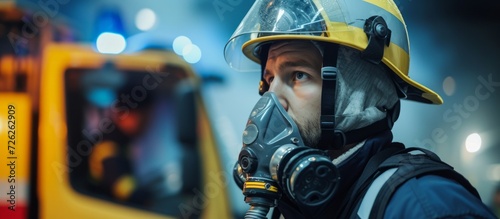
x: 338, y: 69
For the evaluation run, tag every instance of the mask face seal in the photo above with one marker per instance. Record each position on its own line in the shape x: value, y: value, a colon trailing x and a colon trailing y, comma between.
x: 274, y: 160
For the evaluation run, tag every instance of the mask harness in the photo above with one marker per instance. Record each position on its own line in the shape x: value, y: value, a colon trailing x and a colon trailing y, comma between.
x: 274, y: 159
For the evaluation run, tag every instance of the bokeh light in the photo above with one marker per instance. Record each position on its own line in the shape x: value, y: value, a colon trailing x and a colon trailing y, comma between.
x: 191, y: 53
x: 179, y: 43
x: 473, y: 143
x: 145, y: 19
x: 449, y: 85
x: 110, y: 43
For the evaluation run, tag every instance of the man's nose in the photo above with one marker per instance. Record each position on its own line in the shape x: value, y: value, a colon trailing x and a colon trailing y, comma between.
x: 278, y: 89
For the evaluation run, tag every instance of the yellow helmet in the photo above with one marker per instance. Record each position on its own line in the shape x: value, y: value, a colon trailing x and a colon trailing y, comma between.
x: 352, y: 23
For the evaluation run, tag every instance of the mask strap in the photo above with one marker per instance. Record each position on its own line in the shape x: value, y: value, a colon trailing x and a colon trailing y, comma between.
x: 263, y: 53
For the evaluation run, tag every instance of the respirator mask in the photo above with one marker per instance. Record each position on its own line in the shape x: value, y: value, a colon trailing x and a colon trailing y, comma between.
x: 274, y: 161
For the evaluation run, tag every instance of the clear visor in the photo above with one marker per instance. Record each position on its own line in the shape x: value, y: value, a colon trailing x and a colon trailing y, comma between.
x: 272, y: 18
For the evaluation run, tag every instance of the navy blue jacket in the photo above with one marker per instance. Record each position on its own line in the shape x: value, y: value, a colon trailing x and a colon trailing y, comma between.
x: 435, y: 197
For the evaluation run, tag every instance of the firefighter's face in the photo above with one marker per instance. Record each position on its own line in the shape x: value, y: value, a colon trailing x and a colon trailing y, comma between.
x: 293, y: 74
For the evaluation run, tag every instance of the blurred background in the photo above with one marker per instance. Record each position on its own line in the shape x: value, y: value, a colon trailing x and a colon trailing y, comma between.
x: 455, y: 48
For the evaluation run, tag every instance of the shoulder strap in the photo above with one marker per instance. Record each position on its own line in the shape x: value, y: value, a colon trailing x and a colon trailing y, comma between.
x: 276, y: 213
x: 410, y: 166
x: 356, y: 192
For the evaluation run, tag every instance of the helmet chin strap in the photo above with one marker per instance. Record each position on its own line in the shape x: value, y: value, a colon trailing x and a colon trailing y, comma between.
x: 378, y: 35
x: 332, y: 138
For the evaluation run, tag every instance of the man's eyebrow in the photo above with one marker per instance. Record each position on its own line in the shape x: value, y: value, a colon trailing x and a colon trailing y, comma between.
x: 295, y: 63
x: 292, y: 63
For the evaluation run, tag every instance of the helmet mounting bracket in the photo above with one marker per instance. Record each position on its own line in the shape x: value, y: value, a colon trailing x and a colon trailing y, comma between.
x: 379, y: 35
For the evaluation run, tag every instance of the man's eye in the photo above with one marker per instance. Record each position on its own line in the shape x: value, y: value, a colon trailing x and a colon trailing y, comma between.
x: 300, y: 75
x: 270, y: 80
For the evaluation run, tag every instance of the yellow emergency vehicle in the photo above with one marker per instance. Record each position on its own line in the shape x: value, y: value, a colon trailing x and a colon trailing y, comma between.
x: 91, y: 135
